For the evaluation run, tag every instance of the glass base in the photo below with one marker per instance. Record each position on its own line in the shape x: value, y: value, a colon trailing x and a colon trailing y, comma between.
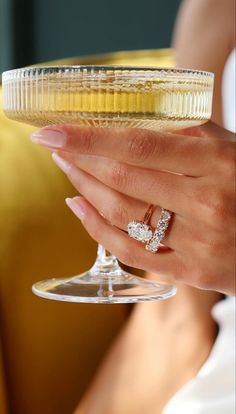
x: 101, y: 288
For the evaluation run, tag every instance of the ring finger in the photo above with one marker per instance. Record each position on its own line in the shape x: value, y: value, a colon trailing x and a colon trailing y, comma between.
x: 120, y: 209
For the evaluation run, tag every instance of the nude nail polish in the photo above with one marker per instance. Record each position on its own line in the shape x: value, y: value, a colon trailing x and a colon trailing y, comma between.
x: 63, y: 164
x: 53, y: 138
x: 76, y: 207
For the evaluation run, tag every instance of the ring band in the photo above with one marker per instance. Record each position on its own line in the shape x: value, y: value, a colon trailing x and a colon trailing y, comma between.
x: 148, y: 214
x: 140, y: 230
x: 162, y: 225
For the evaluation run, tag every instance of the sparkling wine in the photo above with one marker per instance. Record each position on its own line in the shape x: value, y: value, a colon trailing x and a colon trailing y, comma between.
x: 108, y: 98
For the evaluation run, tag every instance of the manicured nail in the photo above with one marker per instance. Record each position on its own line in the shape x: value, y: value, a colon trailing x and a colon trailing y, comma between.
x: 53, y: 138
x: 63, y: 164
x: 76, y: 206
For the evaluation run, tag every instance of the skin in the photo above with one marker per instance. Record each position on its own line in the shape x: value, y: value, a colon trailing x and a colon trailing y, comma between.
x: 174, y: 171
x: 144, y: 368
x: 204, y: 36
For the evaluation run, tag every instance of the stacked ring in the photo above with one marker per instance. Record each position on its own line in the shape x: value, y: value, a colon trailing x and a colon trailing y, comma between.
x: 158, y: 235
x: 140, y: 230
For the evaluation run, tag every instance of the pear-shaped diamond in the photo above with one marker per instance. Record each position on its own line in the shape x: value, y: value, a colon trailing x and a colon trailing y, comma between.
x: 140, y: 231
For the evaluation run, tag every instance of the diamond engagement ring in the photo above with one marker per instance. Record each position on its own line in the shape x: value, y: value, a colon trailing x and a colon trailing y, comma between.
x: 162, y: 225
x: 140, y: 230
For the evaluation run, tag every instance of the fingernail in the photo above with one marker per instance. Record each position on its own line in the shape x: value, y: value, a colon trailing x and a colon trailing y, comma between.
x: 63, y: 164
x: 76, y: 206
x: 49, y: 137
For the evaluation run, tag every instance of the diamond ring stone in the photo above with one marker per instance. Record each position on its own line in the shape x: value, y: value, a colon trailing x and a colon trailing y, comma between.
x: 162, y: 225
x: 140, y: 230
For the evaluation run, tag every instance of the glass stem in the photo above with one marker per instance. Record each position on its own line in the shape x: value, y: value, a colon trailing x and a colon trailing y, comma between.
x: 105, y: 264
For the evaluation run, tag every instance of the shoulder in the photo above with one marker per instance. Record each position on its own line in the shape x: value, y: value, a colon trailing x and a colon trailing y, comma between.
x: 206, y: 21
x: 203, y: 39
x: 208, y: 7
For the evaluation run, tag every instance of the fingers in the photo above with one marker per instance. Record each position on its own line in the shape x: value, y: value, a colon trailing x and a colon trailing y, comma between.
x: 120, y: 210
x: 170, y: 191
x: 130, y: 252
x: 144, y: 148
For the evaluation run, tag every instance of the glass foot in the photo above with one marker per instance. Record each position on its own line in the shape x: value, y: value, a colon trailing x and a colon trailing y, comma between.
x: 105, y: 282
x: 90, y: 288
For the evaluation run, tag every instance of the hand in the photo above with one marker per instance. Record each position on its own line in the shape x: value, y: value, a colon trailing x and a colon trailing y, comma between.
x: 120, y: 171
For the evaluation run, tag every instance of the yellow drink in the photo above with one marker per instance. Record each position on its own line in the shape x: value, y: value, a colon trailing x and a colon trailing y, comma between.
x: 144, y: 98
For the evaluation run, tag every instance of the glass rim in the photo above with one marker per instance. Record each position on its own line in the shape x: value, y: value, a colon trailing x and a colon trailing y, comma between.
x: 122, y: 68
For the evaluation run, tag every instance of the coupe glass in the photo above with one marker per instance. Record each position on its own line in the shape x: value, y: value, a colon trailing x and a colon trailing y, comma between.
x: 106, y: 96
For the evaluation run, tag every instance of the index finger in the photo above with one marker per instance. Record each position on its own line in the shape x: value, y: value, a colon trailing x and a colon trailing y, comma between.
x: 144, y: 148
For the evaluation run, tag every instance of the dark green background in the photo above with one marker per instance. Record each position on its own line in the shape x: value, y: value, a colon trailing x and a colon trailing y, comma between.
x: 40, y: 30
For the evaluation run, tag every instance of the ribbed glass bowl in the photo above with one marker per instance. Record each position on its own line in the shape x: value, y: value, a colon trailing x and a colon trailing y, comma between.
x: 105, y: 96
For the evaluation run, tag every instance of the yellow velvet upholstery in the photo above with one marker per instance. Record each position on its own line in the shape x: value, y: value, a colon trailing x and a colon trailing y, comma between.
x: 3, y: 403
x: 50, y: 350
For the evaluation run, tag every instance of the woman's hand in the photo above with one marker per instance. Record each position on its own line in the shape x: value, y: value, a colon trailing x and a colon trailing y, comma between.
x: 191, y: 173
